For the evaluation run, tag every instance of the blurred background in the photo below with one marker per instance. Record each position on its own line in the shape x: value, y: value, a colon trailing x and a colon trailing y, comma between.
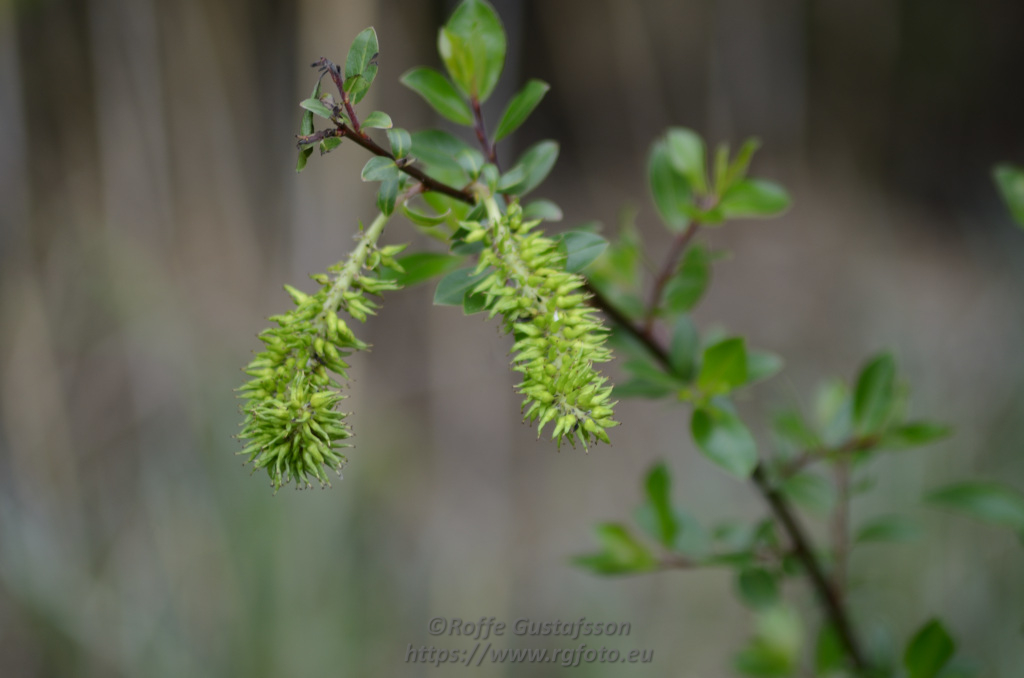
x: 150, y: 212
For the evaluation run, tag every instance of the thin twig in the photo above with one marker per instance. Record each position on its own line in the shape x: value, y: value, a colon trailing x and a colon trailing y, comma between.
x: 668, y: 268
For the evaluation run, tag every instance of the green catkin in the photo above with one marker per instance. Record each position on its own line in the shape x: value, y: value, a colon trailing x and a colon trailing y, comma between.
x: 558, y: 337
x: 292, y: 427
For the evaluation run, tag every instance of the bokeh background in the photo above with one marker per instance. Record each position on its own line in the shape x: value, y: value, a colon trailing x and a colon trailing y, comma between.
x: 149, y: 213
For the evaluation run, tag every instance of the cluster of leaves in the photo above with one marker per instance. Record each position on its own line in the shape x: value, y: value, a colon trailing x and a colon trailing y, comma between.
x: 851, y: 426
x: 292, y: 427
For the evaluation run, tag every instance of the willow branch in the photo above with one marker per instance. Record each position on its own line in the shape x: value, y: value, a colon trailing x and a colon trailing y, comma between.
x: 778, y: 504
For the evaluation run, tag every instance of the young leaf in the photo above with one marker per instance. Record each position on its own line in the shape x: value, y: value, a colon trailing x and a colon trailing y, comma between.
x: 421, y: 219
x: 329, y: 144
x: 363, y: 51
x: 542, y: 209
x: 724, y: 439
x: 649, y: 381
x: 318, y: 107
x: 1010, y: 181
x: 757, y: 588
x: 659, y: 496
x: 989, y: 502
x: 762, y: 365
x: 534, y: 165
x: 810, y: 491
x: 669, y: 188
x: 686, y: 153
x: 581, y: 248
x: 520, y: 108
x: 472, y: 46
x: 387, y: 194
x: 723, y: 367
x: 422, y: 266
x: 377, y: 168
x: 378, y: 120
x: 683, y: 349
x: 687, y: 285
x: 928, y: 651
x: 875, y: 393
x: 400, y: 140
x: 738, y: 169
x: 360, y: 65
x: 828, y: 652
x: 452, y: 289
x: 437, y: 150
x: 914, y: 434
x: 305, y: 129
x: 754, y: 198
x: 887, y: 529
x: 439, y: 92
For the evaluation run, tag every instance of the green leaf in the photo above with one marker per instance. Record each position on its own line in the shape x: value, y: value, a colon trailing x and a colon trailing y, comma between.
x: 473, y: 303
x: 378, y: 168
x: 472, y: 46
x: 421, y: 218
x: 533, y: 167
x: 829, y: 654
x: 914, y: 434
x: 683, y: 349
x: 400, y: 141
x: 774, y: 651
x: 738, y: 169
x: 687, y: 154
x: 316, y: 106
x: 387, y: 194
x: 669, y: 188
x: 580, y: 249
x: 378, y: 120
x: 989, y: 502
x: 1010, y: 181
x: 421, y: 266
x: 757, y: 588
x: 439, y: 92
x: 723, y: 367
x: 659, y: 495
x: 520, y: 108
x: 542, y: 209
x: 687, y: 285
x: 437, y: 151
x: 874, y: 395
x: 754, y: 198
x: 810, y: 491
x: 762, y: 365
x: 305, y: 129
x: 724, y: 439
x: 887, y: 529
x: 471, y: 160
x: 361, y: 54
x: 928, y: 651
x: 649, y: 381
x: 329, y: 144
x: 452, y: 289
x: 360, y: 65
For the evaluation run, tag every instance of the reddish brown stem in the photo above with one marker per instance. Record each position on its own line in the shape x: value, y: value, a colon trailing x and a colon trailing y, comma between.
x: 668, y: 268
x: 488, y: 146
